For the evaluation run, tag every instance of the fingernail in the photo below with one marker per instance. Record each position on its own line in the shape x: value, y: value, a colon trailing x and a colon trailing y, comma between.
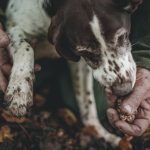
x: 108, y: 90
x: 128, y: 109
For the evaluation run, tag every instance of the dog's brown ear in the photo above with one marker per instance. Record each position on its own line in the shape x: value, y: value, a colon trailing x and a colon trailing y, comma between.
x: 59, y: 39
x: 67, y: 43
x: 128, y: 5
x: 54, y: 29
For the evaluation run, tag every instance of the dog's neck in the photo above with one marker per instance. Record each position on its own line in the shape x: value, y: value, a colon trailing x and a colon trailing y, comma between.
x: 51, y: 6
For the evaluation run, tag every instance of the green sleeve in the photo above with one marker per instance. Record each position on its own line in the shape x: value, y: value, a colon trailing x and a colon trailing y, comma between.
x: 141, y: 52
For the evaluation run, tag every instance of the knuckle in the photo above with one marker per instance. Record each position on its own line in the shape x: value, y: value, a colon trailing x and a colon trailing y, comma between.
x: 139, y: 134
x: 138, y: 131
x: 144, y: 73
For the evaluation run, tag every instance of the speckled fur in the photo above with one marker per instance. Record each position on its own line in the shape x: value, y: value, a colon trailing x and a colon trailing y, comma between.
x: 27, y: 20
x: 83, y: 88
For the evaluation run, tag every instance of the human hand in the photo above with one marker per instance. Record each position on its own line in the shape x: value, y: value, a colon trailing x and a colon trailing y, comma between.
x: 5, y: 65
x: 5, y: 60
x: 138, y: 100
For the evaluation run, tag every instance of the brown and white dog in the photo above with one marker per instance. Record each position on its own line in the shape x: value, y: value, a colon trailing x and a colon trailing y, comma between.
x: 92, y: 34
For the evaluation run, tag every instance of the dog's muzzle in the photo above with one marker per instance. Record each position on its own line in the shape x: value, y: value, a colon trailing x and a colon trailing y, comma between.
x: 122, y: 89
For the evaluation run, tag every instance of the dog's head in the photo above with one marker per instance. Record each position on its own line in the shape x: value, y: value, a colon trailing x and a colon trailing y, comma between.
x: 98, y: 31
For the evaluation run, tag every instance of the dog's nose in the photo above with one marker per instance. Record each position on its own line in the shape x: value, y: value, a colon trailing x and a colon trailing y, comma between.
x: 122, y: 89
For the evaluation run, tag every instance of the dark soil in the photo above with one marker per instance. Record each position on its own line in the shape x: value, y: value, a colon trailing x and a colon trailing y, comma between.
x: 53, y: 127
x: 47, y: 131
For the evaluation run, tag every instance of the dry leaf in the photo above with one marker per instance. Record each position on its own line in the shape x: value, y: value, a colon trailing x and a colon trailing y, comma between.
x: 90, y: 130
x: 68, y: 117
x: 39, y: 100
x: 125, y: 143
x: 10, y: 118
x: 5, y: 133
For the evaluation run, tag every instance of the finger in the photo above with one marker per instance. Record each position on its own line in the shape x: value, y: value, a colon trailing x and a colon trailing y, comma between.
x: 4, y: 39
x: 111, y: 99
x: 3, y: 82
x: 136, y: 129
x: 145, y: 104
x: 131, y: 103
x: 112, y: 116
x: 5, y: 61
x: 141, y: 122
x: 37, y: 68
x: 144, y: 110
x: 108, y: 90
x: 6, y: 69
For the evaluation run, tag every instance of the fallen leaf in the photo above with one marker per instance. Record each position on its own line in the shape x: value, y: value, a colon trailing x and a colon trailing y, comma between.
x: 10, y: 118
x: 5, y: 133
x: 125, y: 143
x: 90, y: 130
x: 39, y: 100
x: 68, y: 116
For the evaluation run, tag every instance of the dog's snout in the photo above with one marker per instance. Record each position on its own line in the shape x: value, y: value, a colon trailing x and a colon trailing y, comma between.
x: 122, y: 89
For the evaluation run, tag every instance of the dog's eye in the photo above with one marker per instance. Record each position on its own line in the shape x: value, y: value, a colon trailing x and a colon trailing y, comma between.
x: 122, y: 39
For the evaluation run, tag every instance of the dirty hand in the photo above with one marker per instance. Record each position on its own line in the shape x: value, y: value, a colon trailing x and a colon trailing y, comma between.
x: 5, y: 60
x: 138, y: 101
x: 5, y: 65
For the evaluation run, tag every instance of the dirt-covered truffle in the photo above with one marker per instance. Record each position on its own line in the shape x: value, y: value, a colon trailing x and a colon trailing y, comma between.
x: 123, y: 116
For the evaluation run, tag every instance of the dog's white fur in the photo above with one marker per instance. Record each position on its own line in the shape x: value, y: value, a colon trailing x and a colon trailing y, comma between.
x: 122, y: 58
x: 97, y: 31
x: 26, y: 20
x: 83, y: 87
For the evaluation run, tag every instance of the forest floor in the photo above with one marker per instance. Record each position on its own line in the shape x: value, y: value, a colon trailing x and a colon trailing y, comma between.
x: 55, y: 128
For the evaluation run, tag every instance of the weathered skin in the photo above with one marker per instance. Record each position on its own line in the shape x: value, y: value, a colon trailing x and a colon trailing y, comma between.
x: 5, y: 64
x: 138, y: 100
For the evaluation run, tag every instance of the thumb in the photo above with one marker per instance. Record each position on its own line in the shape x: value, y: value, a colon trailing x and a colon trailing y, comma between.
x: 37, y: 68
x: 3, y: 82
x: 4, y: 39
x: 131, y: 103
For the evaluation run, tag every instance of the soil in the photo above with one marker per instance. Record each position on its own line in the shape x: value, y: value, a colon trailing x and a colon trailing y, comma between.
x: 55, y: 128
x: 43, y: 130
